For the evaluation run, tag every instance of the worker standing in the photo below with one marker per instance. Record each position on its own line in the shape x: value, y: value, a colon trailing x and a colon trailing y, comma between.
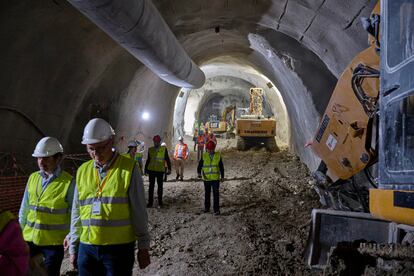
x: 163, y: 144
x: 195, y: 138
x: 44, y: 214
x: 108, y: 213
x: 210, y: 137
x: 211, y: 169
x: 181, y: 154
x: 154, y: 167
x: 200, y: 144
x: 133, y: 154
x: 140, y: 152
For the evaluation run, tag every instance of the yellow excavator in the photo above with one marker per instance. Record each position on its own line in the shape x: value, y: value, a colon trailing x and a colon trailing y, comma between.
x: 368, y: 126
x: 254, y: 129
x: 225, y: 125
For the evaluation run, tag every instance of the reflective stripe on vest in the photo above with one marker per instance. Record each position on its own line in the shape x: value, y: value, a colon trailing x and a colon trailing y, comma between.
x: 180, y: 151
x: 211, y: 170
x: 113, y: 224
x: 48, y: 219
x: 157, y: 157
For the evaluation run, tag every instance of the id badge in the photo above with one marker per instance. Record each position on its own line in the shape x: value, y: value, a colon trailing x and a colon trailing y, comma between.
x: 96, y: 207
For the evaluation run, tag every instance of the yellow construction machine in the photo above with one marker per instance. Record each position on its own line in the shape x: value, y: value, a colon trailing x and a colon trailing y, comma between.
x: 226, y: 123
x: 368, y: 126
x: 254, y: 129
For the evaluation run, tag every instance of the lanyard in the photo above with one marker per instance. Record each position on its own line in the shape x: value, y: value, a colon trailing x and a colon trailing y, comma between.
x: 100, y: 184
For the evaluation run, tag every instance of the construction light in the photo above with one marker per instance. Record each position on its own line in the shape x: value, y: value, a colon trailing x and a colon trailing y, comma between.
x: 145, y: 115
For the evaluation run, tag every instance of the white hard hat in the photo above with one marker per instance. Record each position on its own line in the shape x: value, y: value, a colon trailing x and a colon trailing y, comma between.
x: 97, y: 130
x: 132, y: 143
x: 47, y: 146
x: 163, y: 144
x: 180, y: 138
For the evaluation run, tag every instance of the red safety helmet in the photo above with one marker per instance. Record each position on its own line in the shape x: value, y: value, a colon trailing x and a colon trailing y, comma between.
x: 156, y: 139
x: 211, y: 145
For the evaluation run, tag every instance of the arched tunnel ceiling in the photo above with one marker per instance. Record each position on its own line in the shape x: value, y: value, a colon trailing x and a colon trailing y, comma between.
x: 59, y: 69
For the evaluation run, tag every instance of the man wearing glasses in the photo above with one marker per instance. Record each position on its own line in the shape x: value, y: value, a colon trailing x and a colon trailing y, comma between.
x: 108, y: 213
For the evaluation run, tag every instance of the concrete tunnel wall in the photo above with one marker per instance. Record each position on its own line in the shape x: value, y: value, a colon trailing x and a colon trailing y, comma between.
x: 60, y: 69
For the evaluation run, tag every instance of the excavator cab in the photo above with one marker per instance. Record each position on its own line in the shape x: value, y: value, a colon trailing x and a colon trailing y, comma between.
x: 362, y: 127
x: 394, y: 198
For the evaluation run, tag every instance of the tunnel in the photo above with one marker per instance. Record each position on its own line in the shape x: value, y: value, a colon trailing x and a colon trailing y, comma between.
x: 65, y: 62
x: 82, y: 72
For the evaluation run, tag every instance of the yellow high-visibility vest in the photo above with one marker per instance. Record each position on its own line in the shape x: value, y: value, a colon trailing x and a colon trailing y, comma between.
x: 48, y: 219
x: 113, y: 223
x: 157, y: 157
x: 5, y: 218
x: 129, y: 156
x: 211, y: 170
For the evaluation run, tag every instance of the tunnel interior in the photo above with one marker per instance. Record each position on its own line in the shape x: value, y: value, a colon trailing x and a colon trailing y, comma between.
x: 60, y: 69
x: 74, y: 75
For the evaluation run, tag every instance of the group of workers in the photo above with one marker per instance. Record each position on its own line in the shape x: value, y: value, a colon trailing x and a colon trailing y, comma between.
x: 100, y: 214
x: 201, y: 138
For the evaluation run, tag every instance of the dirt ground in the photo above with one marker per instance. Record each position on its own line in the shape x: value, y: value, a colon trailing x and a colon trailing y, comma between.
x: 266, y: 202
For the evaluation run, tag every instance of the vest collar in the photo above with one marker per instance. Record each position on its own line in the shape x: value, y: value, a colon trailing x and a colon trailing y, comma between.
x: 105, y: 167
x: 55, y: 173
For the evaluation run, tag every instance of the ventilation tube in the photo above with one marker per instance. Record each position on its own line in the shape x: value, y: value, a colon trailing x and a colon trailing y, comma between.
x: 138, y: 27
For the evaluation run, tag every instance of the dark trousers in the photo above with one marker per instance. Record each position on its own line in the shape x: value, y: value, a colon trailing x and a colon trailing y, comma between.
x: 207, y: 195
x: 106, y: 259
x: 52, y: 255
x: 200, y: 151
x: 160, y: 178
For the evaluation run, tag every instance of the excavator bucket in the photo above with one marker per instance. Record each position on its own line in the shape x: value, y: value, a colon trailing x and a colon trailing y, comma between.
x: 329, y: 227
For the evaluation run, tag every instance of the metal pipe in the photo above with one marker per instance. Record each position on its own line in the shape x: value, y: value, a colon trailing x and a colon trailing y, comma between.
x: 138, y: 27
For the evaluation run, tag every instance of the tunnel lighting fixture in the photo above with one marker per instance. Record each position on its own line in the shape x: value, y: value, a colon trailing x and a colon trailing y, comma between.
x: 145, y: 115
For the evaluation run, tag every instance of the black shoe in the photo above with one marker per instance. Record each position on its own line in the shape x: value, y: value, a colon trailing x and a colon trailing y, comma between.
x: 176, y: 178
x: 181, y: 179
x: 217, y: 213
x: 149, y: 205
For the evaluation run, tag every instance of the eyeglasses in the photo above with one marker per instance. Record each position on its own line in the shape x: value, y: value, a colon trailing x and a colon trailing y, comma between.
x: 98, y: 149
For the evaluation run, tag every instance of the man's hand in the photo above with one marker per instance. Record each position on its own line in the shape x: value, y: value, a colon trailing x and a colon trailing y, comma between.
x: 168, y: 172
x: 199, y: 176
x: 143, y: 258
x: 222, y: 179
x: 66, y: 243
x: 74, y: 261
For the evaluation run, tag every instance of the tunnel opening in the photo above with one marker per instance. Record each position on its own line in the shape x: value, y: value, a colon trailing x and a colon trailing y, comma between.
x: 228, y: 85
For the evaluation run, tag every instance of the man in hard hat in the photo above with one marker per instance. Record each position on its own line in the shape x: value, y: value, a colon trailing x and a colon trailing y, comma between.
x: 163, y: 144
x: 181, y: 154
x: 155, y: 168
x: 210, y: 137
x: 133, y: 154
x: 200, y: 144
x: 195, y: 138
x: 108, y: 213
x: 211, y: 169
x: 44, y: 214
